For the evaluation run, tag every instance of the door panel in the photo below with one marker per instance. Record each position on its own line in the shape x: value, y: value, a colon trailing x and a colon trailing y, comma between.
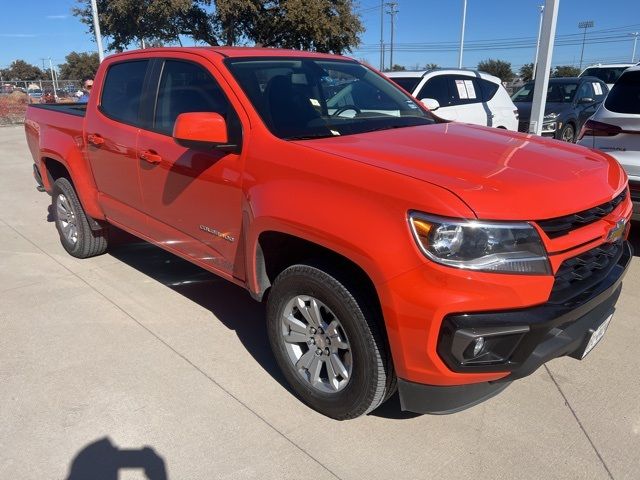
x: 112, y: 135
x: 192, y: 197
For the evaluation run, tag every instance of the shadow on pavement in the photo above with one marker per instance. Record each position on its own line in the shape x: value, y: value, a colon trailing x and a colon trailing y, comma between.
x: 101, y: 460
x: 232, y: 305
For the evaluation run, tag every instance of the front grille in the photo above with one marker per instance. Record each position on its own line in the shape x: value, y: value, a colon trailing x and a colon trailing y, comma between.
x: 577, y: 276
x: 556, y: 227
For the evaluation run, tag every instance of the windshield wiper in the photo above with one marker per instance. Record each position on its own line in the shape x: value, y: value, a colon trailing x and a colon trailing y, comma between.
x: 310, y: 136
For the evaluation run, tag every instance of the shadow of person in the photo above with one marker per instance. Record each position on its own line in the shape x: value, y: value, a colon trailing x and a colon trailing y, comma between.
x: 101, y: 460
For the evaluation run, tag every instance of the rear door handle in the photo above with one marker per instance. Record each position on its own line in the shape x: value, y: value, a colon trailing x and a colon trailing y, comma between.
x: 150, y: 156
x: 95, y: 139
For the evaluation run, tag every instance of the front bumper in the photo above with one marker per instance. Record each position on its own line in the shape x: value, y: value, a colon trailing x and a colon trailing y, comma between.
x: 551, y: 330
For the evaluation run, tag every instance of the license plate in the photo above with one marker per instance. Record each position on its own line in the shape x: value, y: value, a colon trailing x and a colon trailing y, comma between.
x: 596, y: 336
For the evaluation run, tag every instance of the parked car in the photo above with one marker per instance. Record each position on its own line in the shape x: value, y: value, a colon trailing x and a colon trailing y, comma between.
x: 608, y: 73
x: 615, y: 129
x: 570, y: 102
x: 461, y: 95
x: 393, y: 250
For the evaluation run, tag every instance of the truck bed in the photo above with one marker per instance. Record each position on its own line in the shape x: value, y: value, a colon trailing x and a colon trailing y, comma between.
x: 77, y: 109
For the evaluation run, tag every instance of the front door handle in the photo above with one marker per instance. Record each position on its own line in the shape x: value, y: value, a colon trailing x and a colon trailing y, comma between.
x: 150, y: 156
x: 95, y: 139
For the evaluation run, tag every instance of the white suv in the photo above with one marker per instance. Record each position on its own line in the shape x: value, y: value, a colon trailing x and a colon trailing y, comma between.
x: 609, y: 73
x: 461, y: 95
x: 615, y: 129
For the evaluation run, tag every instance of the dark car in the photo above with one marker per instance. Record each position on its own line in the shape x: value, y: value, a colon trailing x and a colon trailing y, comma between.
x: 570, y: 102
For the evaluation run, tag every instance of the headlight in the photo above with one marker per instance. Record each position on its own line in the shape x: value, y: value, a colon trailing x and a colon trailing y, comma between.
x: 483, y: 246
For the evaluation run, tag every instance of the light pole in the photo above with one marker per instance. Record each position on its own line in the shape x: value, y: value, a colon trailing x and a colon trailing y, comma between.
x: 464, y: 21
x: 96, y: 28
x: 535, y: 60
x: 393, y: 10
x: 381, y: 35
x: 635, y: 40
x: 586, y: 24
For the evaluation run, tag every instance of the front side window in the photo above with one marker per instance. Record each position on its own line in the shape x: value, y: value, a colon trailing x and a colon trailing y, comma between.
x: 437, y: 88
x: 624, y: 97
x: 308, y: 98
x: 122, y: 91
x: 557, y: 92
x: 186, y: 87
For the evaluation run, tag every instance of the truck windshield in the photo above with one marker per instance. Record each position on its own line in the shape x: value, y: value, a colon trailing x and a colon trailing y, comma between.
x: 307, y: 98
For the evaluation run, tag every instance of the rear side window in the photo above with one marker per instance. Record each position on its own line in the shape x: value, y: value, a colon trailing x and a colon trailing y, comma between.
x: 438, y: 89
x: 488, y: 88
x: 464, y: 90
x: 122, y: 91
x: 408, y: 83
x: 624, y: 97
x: 186, y: 87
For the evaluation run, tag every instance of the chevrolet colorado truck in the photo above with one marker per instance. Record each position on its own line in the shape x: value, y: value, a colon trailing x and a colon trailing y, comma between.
x: 394, y: 251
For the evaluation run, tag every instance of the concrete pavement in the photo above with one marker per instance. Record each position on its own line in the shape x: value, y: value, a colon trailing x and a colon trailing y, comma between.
x: 138, y: 360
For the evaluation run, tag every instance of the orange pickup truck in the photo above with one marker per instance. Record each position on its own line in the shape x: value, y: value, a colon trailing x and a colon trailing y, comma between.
x: 394, y: 250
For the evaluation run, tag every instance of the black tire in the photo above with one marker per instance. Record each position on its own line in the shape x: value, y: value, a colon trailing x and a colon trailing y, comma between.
x: 88, y: 243
x: 568, y: 133
x: 372, y: 379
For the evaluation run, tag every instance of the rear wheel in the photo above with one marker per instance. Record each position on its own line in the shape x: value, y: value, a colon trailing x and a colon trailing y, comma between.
x: 327, y: 341
x: 76, y: 236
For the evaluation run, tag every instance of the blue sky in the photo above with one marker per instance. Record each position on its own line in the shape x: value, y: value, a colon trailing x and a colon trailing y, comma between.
x: 45, y: 28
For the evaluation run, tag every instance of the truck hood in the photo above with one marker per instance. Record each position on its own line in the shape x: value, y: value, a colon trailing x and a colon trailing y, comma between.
x: 501, y: 175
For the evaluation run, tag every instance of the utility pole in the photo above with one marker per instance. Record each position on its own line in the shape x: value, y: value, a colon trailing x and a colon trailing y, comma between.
x: 464, y: 21
x: 535, y: 60
x: 96, y: 29
x: 381, y: 35
x: 586, y: 24
x: 547, y: 39
x: 635, y: 40
x: 393, y: 11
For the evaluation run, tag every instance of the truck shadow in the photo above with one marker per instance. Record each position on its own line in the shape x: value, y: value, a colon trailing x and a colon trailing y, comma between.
x: 230, y: 304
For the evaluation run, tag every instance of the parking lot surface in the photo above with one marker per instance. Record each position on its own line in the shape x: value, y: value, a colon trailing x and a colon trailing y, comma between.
x: 136, y: 361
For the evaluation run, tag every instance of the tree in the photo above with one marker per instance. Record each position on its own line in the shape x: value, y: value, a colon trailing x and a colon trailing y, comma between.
x: 497, y: 68
x: 526, y: 72
x: 321, y: 25
x: 21, y: 70
x: 79, y: 66
x: 566, y: 71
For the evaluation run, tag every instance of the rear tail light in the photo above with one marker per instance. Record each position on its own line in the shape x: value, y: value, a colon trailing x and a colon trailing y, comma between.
x: 598, y: 129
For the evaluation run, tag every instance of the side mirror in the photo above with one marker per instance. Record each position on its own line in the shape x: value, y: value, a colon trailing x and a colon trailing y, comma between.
x: 431, y: 103
x: 202, y: 130
x: 586, y: 100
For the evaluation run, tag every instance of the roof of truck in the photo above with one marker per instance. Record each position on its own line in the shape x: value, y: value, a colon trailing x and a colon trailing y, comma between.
x: 239, y: 52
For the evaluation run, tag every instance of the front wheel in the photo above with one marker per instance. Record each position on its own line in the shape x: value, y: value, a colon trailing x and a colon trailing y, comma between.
x: 327, y: 342
x: 568, y: 133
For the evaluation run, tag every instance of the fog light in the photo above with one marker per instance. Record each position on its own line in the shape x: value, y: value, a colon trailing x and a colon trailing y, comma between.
x: 478, y: 345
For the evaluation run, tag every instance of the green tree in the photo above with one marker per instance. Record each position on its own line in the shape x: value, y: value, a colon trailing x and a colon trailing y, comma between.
x: 79, y: 66
x: 21, y: 70
x: 565, y: 71
x: 497, y: 68
x: 321, y: 25
x: 526, y: 72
